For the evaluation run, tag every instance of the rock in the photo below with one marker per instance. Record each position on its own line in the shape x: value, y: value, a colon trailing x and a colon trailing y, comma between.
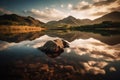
x: 54, y: 47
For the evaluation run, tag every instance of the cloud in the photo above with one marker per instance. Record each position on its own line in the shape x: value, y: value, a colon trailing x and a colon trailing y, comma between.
x: 46, y: 14
x: 82, y: 6
x: 4, y: 11
x: 103, y: 2
x: 98, y: 8
x: 82, y: 10
x: 99, y: 13
x: 70, y: 6
x: 61, y: 5
x: 106, y: 7
x: 115, y: 9
x: 98, y: 0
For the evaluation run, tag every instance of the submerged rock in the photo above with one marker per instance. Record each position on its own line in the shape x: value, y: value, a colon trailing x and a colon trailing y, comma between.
x: 55, y: 47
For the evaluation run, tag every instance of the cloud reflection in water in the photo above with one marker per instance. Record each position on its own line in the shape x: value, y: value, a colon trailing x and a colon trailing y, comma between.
x: 96, y: 55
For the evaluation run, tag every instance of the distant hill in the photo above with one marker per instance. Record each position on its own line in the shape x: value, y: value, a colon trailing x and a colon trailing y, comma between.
x: 106, y: 28
x: 14, y: 19
x: 71, y: 21
x: 113, y: 16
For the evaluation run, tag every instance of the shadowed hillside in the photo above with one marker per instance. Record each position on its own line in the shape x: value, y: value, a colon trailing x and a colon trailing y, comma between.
x: 14, y: 19
x: 104, y: 28
x: 18, y: 24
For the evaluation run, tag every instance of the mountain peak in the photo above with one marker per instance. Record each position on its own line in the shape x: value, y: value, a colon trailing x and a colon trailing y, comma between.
x: 70, y: 16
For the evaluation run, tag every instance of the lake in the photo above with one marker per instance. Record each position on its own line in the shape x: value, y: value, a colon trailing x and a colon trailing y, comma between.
x: 91, y: 56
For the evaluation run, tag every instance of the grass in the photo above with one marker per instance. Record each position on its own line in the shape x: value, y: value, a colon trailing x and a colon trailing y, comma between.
x: 19, y: 29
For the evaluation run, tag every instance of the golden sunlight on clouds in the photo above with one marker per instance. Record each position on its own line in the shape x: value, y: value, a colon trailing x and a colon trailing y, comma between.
x: 81, y: 10
x: 99, y: 0
x: 47, y: 15
x: 97, y: 9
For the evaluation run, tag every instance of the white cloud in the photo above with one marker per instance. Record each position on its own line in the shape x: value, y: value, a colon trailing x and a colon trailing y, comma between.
x: 46, y: 8
x: 62, y: 6
x: 70, y: 6
x: 47, y: 14
x: 4, y: 11
x: 83, y: 3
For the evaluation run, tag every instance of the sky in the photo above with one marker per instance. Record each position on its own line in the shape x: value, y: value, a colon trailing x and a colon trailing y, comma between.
x: 50, y: 10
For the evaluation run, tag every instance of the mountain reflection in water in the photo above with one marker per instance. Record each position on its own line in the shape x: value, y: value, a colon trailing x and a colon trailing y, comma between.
x: 89, y: 57
x: 65, y: 34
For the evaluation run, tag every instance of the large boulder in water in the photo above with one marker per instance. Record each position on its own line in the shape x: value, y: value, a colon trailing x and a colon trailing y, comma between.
x: 54, y: 47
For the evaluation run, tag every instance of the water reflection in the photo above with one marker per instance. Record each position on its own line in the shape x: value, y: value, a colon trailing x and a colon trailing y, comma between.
x: 65, y: 34
x: 86, y: 59
x: 72, y: 35
x: 17, y: 37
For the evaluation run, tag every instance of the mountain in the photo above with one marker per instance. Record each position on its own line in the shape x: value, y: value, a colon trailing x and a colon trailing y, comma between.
x: 71, y: 21
x: 113, y: 16
x: 14, y: 19
x: 68, y: 21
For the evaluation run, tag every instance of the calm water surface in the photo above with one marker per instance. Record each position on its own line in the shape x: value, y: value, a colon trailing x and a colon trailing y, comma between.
x: 91, y: 56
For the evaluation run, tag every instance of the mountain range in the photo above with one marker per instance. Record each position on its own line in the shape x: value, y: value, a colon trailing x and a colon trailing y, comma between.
x: 69, y: 21
x: 72, y: 21
x: 14, y: 19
